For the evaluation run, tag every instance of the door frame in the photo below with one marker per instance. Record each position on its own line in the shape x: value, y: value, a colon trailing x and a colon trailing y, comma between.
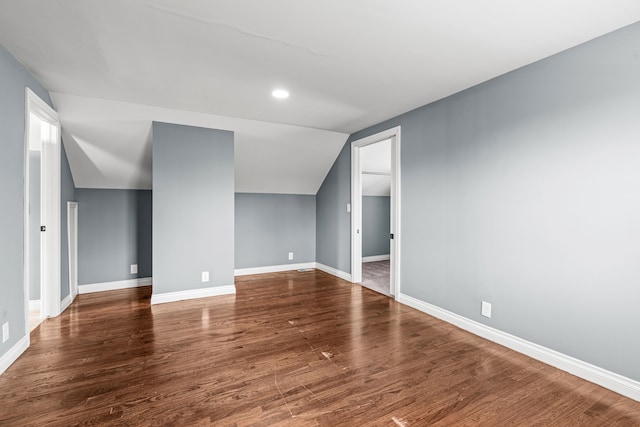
x: 356, y: 206
x: 72, y: 237
x: 50, y: 202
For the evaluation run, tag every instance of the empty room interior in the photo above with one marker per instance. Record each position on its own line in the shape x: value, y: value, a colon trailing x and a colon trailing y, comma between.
x: 243, y: 213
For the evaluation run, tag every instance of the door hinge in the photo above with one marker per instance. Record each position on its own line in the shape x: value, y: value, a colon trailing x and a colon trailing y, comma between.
x: 391, y: 236
x: 43, y: 228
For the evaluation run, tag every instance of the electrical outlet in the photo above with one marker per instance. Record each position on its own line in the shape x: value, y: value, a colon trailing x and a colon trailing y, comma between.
x: 486, y: 309
x: 134, y: 268
x: 290, y: 256
x: 5, y: 332
x: 205, y: 276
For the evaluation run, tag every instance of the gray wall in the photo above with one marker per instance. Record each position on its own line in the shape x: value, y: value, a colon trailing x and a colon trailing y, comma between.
x: 193, y: 207
x: 114, y: 231
x: 524, y: 191
x: 13, y: 80
x: 376, y: 225
x: 34, y: 225
x: 269, y: 226
x: 333, y: 222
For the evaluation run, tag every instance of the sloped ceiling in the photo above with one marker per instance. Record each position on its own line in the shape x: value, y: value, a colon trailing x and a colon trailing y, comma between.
x: 109, y: 146
x: 347, y: 64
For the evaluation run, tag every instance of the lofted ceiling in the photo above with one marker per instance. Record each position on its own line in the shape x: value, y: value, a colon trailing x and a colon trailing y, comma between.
x: 114, y: 66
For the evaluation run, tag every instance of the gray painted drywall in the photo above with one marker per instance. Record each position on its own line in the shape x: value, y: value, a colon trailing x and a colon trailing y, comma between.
x: 269, y: 226
x: 524, y: 192
x: 34, y: 225
x: 67, y: 194
x: 13, y: 80
x: 193, y: 207
x: 333, y: 222
x: 376, y: 225
x: 114, y: 231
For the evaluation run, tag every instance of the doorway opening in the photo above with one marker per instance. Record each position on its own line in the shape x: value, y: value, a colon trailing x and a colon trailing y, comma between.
x: 42, y: 211
x: 72, y: 236
x: 375, y: 213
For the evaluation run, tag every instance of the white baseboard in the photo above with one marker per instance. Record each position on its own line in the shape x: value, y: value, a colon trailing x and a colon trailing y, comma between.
x: 14, y: 352
x: 66, y: 303
x: 289, y: 267
x: 374, y: 258
x: 273, y: 268
x: 112, y: 286
x: 618, y: 383
x: 334, y: 272
x: 192, y: 294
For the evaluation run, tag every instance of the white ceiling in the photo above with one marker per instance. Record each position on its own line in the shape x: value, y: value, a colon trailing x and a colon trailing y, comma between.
x: 347, y: 64
x: 375, y: 160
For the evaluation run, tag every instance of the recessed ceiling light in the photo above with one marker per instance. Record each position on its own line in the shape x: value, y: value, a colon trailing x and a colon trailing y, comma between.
x: 280, y: 94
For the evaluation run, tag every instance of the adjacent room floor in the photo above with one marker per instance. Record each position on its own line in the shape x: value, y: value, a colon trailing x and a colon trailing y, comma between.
x: 34, y: 317
x: 376, y: 276
x: 289, y: 349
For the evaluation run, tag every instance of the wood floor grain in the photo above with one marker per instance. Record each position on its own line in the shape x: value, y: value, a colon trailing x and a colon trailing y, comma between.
x: 289, y: 349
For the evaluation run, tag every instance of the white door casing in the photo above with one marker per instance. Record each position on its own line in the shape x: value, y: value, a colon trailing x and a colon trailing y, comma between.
x: 356, y: 206
x: 37, y: 109
x: 72, y: 235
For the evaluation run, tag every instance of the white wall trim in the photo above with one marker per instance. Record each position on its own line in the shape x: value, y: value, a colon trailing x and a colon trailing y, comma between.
x: 112, y: 286
x: 334, y: 272
x: 66, y: 303
x: 34, y: 304
x: 14, y: 352
x: 618, y: 383
x: 273, y: 268
x: 192, y: 294
x: 374, y: 258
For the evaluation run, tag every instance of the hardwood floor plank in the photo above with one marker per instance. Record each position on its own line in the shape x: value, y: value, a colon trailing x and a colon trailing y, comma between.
x: 289, y: 349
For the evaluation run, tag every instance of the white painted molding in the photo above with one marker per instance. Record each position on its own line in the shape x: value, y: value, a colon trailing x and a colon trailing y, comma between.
x: 66, y: 303
x: 375, y: 258
x: 112, y: 286
x: 334, y: 272
x: 618, y: 383
x: 192, y: 294
x: 34, y: 304
x: 14, y: 352
x: 273, y: 268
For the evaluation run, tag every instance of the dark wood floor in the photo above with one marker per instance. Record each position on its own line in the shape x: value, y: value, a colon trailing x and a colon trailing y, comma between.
x: 288, y: 349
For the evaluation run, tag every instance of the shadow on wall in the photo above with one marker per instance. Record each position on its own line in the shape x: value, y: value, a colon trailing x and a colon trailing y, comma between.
x: 144, y: 233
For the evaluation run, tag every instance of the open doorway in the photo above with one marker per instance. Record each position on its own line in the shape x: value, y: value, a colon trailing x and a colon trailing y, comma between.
x: 375, y: 179
x: 375, y: 219
x: 42, y: 211
x: 72, y: 236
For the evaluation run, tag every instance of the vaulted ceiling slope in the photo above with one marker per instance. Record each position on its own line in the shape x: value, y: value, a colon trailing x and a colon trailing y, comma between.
x: 109, y: 146
x: 347, y: 64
